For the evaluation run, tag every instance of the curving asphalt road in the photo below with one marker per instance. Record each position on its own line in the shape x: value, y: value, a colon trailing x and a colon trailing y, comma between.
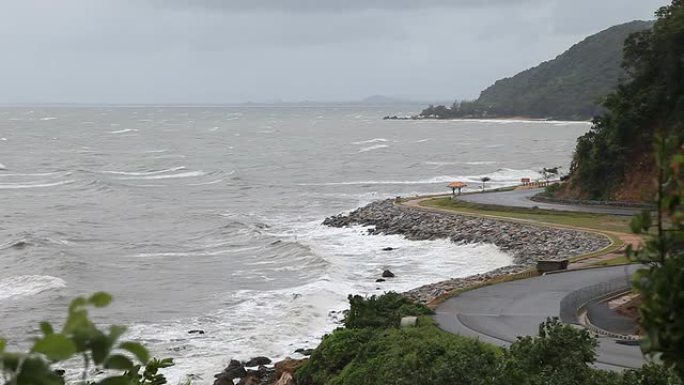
x: 499, y: 313
x: 521, y: 198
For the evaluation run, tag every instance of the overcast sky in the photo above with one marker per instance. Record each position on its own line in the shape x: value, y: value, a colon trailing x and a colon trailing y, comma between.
x: 228, y: 51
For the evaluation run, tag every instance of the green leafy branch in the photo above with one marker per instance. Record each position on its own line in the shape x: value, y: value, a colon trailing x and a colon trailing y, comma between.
x: 126, y: 362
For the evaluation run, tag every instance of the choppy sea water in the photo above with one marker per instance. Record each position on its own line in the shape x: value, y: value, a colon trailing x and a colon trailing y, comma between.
x: 209, y: 218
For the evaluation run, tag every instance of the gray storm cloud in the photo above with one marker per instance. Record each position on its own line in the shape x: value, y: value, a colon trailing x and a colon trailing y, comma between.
x: 211, y: 51
x: 337, y: 6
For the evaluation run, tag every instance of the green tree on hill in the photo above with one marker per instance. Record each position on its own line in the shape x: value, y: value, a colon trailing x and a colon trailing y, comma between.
x: 572, y: 86
x: 619, y: 145
x: 661, y: 283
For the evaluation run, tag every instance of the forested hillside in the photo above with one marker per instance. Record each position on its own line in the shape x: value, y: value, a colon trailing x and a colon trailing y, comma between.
x: 572, y: 86
x: 616, y: 159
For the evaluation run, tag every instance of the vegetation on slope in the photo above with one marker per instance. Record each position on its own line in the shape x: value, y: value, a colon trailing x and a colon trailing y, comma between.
x: 661, y: 282
x: 425, y: 355
x: 571, y: 86
x: 615, y: 159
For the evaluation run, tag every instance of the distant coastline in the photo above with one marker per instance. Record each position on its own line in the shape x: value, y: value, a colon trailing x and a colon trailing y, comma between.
x: 484, y: 119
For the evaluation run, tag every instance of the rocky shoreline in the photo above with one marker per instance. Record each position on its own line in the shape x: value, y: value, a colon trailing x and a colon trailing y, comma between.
x: 259, y: 371
x: 526, y: 243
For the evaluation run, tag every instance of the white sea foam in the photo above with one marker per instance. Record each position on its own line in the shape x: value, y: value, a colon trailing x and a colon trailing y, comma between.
x: 508, y: 175
x: 206, y: 183
x: 2, y: 167
x: 437, y: 179
x: 123, y: 131
x: 374, y: 147
x: 276, y: 322
x: 11, y: 186
x: 374, y: 140
x: 54, y: 173
x: 189, y: 174
x: 28, y: 285
x: 48, y: 118
x: 195, y: 254
x: 441, y: 163
x: 479, y: 163
x: 502, y: 176
x: 144, y: 173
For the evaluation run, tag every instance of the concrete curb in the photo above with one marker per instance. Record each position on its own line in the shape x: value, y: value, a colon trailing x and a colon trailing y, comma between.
x: 573, y: 306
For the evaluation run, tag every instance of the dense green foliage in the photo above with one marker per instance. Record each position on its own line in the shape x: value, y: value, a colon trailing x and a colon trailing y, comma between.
x: 651, y: 103
x: 415, y: 355
x: 550, y: 190
x: 425, y: 355
x: 124, y: 362
x: 385, y: 311
x: 662, y: 284
x: 571, y: 86
x: 334, y: 353
x: 560, y: 355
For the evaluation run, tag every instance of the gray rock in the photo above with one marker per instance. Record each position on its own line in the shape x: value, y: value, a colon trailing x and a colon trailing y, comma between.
x: 258, y: 361
x: 234, y: 370
x: 305, y: 352
x: 524, y: 242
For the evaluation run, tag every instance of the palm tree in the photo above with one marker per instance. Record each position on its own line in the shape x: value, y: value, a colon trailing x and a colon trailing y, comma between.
x: 484, y: 180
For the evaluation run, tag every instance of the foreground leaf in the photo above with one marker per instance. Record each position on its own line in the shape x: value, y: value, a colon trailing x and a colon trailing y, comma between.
x: 137, y: 350
x: 56, y: 347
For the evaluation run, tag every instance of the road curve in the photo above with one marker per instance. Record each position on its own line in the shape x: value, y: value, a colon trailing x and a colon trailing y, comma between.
x: 521, y: 198
x: 500, y: 313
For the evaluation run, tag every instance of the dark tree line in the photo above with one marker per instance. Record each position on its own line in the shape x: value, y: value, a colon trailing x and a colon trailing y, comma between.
x: 651, y: 104
x: 571, y: 86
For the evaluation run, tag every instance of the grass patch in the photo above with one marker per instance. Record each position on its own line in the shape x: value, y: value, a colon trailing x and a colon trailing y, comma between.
x: 600, y: 222
x: 608, y: 225
x: 621, y: 260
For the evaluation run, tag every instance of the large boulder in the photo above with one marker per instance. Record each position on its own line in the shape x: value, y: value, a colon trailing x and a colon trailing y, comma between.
x: 261, y: 376
x: 258, y: 361
x: 234, y: 370
x: 304, y: 352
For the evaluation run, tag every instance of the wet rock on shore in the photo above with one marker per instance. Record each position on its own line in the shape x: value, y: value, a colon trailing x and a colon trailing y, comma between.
x: 525, y: 243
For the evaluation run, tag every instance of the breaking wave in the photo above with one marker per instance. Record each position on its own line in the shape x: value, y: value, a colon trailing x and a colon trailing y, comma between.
x: 28, y: 285
x: 374, y: 140
x: 375, y: 147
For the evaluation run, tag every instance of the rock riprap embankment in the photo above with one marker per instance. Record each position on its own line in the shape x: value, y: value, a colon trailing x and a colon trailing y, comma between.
x: 524, y: 242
